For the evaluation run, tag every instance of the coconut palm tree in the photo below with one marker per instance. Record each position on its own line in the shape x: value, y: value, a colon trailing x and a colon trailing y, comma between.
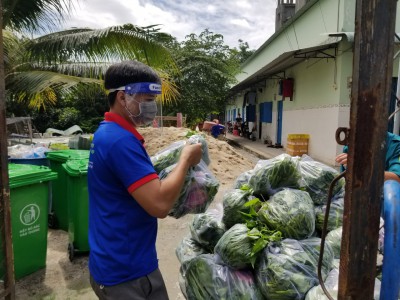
x: 39, y: 69
x: 36, y: 69
x: 63, y: 61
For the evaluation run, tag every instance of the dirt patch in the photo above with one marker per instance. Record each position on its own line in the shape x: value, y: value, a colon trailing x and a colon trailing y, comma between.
x: 62, y: 279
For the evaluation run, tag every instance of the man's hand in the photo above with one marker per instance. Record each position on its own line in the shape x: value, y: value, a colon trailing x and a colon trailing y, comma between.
x: 191, y: 154
x: 342, y: 159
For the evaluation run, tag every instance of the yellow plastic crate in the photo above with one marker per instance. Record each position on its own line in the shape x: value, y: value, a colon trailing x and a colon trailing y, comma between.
x: 297, y: 144
x: 294, y: 136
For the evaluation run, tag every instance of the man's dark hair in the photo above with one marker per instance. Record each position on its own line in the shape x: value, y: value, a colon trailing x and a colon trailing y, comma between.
x: 126, y: 72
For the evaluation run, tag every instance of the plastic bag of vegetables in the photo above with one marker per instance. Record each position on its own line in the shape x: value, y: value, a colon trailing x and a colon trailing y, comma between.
x: 334, y: 239
x: 287, y: 270
x: 242, y: 179
x: 167, y: 156
x: 291, y: 212
x: 317, y: 178
x: 278, y: 173
x: 199, y: 190
x: 233, y: 203
x: 235, y: 247
x: 335, y: 218
x: 332, y: 285
x: 197, y: 138
x: 188, y: 249
x: 207, y: 228
x: 170, y: 155
x: 207, y: 278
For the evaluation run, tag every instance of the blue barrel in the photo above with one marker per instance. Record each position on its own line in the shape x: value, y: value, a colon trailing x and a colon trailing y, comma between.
x: 390, y: 287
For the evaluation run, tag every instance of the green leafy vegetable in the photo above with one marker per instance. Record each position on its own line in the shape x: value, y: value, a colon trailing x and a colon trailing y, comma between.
x: 287, y: 270
x: 242, y: 179
x: 235, y: 247
x: 334, y: 239
x: 188, y: 249
x: 199, y: 190
x: 317, y: 178
x: 209, y: 279
x: 234, y: 203
x: 275, y: 175
x: 167, y: 157
x: 335, y: 217
x: 291, y: 212
x: 206, y: 229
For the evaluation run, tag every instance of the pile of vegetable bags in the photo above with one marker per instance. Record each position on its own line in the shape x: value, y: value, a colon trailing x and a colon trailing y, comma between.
x: 265, y: 242
x: 200, y: 186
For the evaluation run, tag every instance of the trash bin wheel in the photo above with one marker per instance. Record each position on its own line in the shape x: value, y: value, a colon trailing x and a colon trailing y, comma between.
x: 71, y: 252
x: 52, y: 221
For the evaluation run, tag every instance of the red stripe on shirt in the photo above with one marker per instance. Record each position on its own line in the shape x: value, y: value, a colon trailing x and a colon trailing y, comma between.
x: 113, y: 117
x: 134, y: 186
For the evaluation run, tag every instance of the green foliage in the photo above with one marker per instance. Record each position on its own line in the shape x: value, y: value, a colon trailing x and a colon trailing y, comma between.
x: 67, y: 117
x: 207, y: 69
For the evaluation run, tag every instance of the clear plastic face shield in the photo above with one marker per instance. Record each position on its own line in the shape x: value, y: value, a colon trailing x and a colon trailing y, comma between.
x: 144, y: 94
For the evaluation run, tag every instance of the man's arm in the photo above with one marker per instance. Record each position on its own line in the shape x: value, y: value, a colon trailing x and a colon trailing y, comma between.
x: 342, y: 159
x: 158, y: 196
x: 391, y: 176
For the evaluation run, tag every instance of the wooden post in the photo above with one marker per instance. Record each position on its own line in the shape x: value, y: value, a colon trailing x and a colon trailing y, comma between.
x: 5, y: 219
x: 372, y: 77
x: 179, y: 120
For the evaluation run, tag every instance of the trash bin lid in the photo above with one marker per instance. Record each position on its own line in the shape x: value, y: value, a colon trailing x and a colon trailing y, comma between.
x: 24, y: 174
x: 64, y: 155
x: 76, y: 167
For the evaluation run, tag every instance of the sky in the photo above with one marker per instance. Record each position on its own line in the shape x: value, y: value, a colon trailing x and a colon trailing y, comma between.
x: 252, y: 21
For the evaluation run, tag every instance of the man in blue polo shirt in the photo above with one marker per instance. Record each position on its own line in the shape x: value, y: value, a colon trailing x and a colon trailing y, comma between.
x: 392, y: 160
x: 125, y: 194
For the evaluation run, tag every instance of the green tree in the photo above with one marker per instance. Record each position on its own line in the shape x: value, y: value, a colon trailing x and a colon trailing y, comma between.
x: 207, y: 69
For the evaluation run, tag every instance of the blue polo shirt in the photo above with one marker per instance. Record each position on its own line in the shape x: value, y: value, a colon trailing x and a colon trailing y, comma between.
x: 122, y: 235
x: 392, y: 159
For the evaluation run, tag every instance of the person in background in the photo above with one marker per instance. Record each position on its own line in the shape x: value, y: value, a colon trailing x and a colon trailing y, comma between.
x: 239, y: 118
x: 392, y: 160
x: 126, y: 196
x: 217, y: 129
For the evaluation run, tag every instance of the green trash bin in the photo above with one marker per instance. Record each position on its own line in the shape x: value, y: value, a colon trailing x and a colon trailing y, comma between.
x: 78, y: 206
x: 29, y: 208
x: 58, y: 217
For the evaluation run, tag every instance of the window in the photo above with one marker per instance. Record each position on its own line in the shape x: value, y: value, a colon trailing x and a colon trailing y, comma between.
x: 266, y: 112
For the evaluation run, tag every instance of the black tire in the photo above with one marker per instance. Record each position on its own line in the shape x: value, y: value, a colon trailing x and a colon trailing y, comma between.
x: 52, y: 221
x: 71, y: 252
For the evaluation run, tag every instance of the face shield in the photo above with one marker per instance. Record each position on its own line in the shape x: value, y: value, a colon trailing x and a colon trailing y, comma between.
x: 144, y: 94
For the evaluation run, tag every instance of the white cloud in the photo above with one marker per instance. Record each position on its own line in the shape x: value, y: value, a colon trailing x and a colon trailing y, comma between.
x: 252, y: 21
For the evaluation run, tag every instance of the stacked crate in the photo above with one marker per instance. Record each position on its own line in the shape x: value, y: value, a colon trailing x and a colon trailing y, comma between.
x: 297, y: 144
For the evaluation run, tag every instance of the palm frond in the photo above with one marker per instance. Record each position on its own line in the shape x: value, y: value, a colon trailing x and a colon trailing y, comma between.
x: 34, y: 15
x: 111, y: 44
x: 169, y: 88
x: 38, y: 87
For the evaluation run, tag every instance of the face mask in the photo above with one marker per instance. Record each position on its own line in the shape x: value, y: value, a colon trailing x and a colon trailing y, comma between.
x: 147, y: 113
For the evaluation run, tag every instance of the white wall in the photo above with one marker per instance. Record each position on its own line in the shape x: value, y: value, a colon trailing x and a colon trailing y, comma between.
x: 321, y: 124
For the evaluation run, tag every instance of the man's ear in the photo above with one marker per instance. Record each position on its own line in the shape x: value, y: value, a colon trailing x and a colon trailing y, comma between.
x: 120, y: 98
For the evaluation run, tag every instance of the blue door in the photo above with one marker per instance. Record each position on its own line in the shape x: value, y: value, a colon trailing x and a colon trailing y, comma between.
x: 279, y: 123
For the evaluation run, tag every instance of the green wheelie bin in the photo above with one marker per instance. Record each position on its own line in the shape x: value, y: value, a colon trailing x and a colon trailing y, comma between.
x: 78, y: 206
x: 29, y: 196
x: 58, y: 216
